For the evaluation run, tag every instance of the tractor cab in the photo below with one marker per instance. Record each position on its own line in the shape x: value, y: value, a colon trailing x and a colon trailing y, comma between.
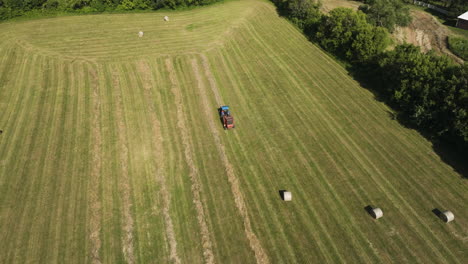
x: 226, y: 117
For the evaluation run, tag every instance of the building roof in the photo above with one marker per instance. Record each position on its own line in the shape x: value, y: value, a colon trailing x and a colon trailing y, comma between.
x: 464, y: 16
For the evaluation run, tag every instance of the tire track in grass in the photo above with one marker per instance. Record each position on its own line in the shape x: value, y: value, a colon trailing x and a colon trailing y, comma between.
x: 196, y: 186
x: 95, y: 206
x: 148, y: 83
x: 125, y: 184
x: 255, y: 244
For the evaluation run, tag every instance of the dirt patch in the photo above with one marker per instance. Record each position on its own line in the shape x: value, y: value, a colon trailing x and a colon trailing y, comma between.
x: 95, y: 201
x: 145, y: 72
x: 124, y: 184
x: 426, y: 32
x: 255, y: 244
x: 328, y: 5
x: 206, y: 241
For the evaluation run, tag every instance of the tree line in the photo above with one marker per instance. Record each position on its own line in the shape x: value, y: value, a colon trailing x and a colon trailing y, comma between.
x: 15, y: 8
x: 428, y: 92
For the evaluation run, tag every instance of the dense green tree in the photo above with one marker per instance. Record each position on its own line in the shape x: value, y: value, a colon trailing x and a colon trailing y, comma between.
x: 348, y: 34
x: 387, y: 13
x: 429, y: 90
x: 304, y: 12
x: 454, y: 107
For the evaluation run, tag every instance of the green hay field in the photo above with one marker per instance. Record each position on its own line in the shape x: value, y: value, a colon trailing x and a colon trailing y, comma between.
x: 112, y: 150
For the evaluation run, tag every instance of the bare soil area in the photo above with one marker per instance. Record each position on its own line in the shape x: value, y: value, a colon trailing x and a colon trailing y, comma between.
x: 426, y: 32
x: 328, y: 5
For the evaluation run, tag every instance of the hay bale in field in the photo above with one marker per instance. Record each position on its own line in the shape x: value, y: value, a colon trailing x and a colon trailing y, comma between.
x: 140, y: 34
x: 375, y: 212
x: 166, y: 18
x: 285, y: 195
x: 447, y: 216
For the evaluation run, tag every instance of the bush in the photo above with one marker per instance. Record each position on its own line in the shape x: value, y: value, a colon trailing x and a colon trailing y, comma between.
x: 459, y: 46
x: 430, y: 91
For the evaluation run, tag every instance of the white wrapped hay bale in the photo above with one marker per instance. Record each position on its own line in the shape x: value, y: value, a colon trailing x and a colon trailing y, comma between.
x: 166, y: 18
x: 140, y: 34
x: 376, y: 213
x: 287, y: 196
x: 447, y: 216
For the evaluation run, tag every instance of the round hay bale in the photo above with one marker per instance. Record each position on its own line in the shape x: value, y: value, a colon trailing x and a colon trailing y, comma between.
x: 287, y: 196
x: 447, y: 216
x: 166, y: 18
x: 140, y: 34
x: 376, y: 213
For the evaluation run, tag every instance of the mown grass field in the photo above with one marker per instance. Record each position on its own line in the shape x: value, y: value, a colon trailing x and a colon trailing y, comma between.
x: 112, y: 151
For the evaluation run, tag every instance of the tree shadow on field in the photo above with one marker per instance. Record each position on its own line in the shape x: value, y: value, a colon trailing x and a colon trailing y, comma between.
x: 368, y: 80
x: 453, y: 155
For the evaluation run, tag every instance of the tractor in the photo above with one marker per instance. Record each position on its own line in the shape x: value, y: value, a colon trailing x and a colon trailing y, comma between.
x: 226, y: 117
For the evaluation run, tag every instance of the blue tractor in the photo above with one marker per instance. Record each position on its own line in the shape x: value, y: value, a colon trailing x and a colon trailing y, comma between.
x: 226, y: 117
